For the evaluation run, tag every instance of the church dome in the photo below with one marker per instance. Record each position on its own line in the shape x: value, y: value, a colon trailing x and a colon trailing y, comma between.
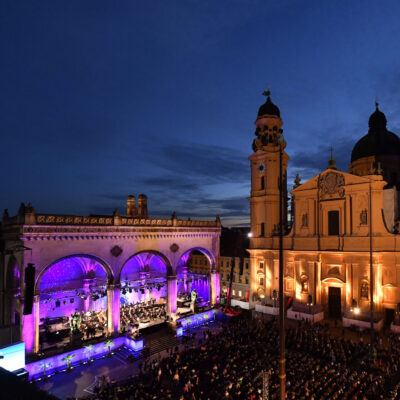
x: 378, y: 141
x: 268, y: 108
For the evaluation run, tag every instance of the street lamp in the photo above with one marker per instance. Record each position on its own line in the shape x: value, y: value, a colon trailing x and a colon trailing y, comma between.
x: 274, y: 297
x: 354, y: 308
x: 309, y: 302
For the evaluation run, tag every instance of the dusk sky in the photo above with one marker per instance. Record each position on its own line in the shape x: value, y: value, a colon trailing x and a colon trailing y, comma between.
x: 101, y: 99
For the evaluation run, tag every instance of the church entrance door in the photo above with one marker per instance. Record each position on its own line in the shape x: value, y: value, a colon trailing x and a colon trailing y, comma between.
x: 334, y: 302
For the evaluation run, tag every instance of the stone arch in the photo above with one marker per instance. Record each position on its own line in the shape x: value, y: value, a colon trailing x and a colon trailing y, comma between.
x: 106, y: 267
x: 207, y: 253
x: 162, y: 256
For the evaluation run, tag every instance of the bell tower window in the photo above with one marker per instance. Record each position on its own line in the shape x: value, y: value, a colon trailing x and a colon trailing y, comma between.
x: 262, y: 230
x: 262, y: 183
x: 333, y: 223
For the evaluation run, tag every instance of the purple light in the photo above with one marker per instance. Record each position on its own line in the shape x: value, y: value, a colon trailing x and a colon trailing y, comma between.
x: 116, y: 306
x: 172, y: 293
x: 57, y: 364
x: 28, y: 332
x: 196, y: 319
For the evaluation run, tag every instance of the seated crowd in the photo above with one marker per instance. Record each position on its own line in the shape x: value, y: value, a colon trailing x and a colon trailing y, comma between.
x: 141, y: 313
x: 228, y: 365
x: 89, y: 324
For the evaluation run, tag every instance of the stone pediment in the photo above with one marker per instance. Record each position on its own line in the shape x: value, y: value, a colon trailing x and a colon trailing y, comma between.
x: 330, y: 181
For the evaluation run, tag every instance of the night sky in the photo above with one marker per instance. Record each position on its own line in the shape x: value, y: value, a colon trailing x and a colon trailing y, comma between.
x: 101, y: 99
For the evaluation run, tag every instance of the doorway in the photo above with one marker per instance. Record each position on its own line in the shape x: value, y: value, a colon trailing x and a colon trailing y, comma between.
x: 389, y: 316
x: 334, y: 302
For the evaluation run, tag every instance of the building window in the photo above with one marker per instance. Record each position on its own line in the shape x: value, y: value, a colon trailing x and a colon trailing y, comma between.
x: 233, y: 292
x: 262, y: 183
x: 333, y: 223
x: 247, y: 281
x: 233, y: 278
x: 240, y: 293
x: 247, y: 265
x: 262, y: 229
x: 261, y: 265
x: 227, y: 263
x: 261, y: 281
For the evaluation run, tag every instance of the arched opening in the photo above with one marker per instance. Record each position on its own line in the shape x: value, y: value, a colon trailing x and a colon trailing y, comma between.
x: 193, y: 279
x: 143, y: 295
x: 72, y: 300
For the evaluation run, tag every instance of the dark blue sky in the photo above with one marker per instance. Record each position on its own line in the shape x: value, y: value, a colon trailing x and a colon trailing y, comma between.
x: 101, y: 99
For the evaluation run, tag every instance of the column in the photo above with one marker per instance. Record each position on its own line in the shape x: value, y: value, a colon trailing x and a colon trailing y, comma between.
x: 86, y: 292
x: 215, y: 287
x: 171, y: 295
x: 113, y: 308
x: 30, y: 328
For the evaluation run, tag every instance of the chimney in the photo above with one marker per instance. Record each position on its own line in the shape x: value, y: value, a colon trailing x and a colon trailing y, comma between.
x: 131, y: 206
x: 142, y: 206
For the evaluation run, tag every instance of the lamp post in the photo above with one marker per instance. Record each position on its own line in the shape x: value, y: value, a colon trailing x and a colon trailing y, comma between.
x: 282, y: 361
x: 371, y: 274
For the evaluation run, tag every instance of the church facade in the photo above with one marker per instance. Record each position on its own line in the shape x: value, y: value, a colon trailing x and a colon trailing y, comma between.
x: 340, y: 221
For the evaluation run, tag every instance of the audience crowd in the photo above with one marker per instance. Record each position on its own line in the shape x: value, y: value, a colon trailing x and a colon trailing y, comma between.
x: 229, y: 365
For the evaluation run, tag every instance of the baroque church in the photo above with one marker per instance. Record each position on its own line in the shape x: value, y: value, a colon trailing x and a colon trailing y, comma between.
x: 338, y: 222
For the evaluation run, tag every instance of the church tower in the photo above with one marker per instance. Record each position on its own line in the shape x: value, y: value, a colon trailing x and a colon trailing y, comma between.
x: 268, y: 147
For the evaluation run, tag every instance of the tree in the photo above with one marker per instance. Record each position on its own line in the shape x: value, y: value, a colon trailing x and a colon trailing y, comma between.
x: 44, y: 365
x: 88, y: 350
x: 109, y: 343
x: 68, y: 360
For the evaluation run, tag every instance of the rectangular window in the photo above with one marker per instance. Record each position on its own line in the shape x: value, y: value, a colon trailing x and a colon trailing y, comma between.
x: 227, y: 263
x: 262, y: 229
x: 240, y: 293
x: 262, y: 183
x: 233, y: 292
x: 261, y: 281
x: 247, y: 281
x: 247, y: 265
x: 261, y: 265
x: 333, y: 223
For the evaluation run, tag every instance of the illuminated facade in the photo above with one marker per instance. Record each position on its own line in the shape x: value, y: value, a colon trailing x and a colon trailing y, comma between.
x: 100, y: 262
x: 337, y: 219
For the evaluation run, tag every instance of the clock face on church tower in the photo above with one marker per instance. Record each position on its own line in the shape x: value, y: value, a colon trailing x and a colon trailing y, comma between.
x: 261, y: 168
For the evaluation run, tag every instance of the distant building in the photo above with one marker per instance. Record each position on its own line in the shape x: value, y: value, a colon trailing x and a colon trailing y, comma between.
x: 337, y: 218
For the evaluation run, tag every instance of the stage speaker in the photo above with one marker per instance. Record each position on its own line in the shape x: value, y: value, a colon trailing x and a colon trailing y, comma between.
x: 29, y: 288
